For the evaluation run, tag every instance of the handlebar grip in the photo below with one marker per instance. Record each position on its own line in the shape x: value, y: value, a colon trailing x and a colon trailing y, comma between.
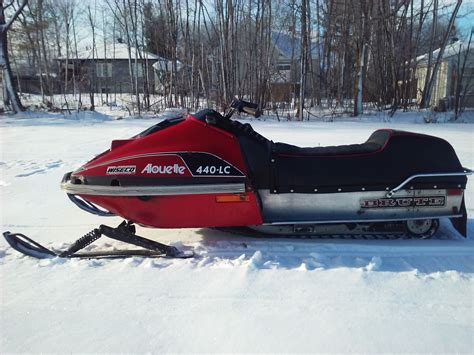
x: 252, y: 111
x: 247, y: 107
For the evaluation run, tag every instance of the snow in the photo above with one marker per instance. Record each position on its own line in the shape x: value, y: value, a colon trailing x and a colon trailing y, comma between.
x: 112, y: 51
x: 239, y: 294
x: 451, y: 50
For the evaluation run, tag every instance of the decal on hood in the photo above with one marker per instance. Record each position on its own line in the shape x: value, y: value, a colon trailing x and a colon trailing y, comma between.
x: 164, y: 169
x: 121, y: 170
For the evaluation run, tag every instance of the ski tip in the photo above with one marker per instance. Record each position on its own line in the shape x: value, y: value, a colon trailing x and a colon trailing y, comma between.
x: 27, y: 246
x: 186, y: 254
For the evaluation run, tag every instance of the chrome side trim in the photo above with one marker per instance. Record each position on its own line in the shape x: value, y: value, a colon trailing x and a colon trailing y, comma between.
x: 406, y: 181
x: 357, y: 220
x: 78, y: 189
x: 348, y: 206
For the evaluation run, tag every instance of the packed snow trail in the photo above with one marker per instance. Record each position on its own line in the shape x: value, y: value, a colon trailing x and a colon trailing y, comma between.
x: 239, y: 294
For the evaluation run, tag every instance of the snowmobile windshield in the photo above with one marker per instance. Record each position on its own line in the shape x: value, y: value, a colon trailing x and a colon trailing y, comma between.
x: 160, y: 126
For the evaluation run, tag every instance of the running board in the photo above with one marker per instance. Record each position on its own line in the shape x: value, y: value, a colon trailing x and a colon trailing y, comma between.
x: 125, y: 233
x: 321, y: 229
x: 379, y: 230
x: 459, y: 222
x: 348, y: 221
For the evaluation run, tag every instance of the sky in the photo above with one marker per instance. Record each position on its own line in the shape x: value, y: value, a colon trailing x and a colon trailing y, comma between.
x: 465, y: 21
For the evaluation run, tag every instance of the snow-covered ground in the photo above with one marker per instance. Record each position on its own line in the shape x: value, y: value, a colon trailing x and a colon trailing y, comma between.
x: 239, y: 294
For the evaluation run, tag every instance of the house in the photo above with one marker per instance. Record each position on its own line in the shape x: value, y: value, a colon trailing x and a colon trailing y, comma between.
x: 28, y: 77
x: 284, y: 62
x: 163, y: 69
x: 444, y: 88
x: 107, y: 69
x: 286, y: 65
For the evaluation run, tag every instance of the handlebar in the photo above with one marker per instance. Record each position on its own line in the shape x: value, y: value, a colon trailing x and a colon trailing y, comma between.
x: 244, y: 106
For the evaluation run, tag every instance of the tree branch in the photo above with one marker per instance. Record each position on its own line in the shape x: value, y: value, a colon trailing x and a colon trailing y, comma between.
x: 8, y: 5
x: 15, y: 15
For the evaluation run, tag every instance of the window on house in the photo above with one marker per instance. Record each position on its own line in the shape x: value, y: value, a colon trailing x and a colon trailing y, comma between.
x: 282, y: 67
x: 103, y: 70
x: 283, y: 72
x: 139, y: 70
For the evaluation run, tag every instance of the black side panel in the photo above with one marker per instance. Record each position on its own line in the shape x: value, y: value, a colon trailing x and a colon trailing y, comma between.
x: 404, y: 155
x: 255, y: 148
x: 257, y: 158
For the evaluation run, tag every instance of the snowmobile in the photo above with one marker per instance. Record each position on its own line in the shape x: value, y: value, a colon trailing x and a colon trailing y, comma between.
x: 205, y: 170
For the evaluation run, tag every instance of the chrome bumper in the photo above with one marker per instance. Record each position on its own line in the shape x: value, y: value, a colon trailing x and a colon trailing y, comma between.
x: 164, y: 190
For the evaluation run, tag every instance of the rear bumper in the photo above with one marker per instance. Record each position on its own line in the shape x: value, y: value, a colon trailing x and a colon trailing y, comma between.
x: 460, y: 223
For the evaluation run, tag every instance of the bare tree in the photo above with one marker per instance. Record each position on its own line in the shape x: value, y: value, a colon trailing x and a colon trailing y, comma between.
x: 431, y: 75
x: 10, y: 96
x: 339, y: 54
x: 303, y: 57
x: 91, y: 16
x: 363, y: 31
x: 122, y: 11
x: 462, y: 88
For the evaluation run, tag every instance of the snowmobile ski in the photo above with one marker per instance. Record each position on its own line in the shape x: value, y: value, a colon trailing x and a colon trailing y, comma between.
x: 125, y: 233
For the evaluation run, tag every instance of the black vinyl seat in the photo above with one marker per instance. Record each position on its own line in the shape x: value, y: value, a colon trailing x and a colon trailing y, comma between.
x: 375, y: 143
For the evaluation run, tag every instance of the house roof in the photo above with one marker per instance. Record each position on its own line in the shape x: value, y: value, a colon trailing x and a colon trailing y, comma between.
x: 165, y: 65
x: 287, y: 44
x: 451, y: 50
x: 111, y: 51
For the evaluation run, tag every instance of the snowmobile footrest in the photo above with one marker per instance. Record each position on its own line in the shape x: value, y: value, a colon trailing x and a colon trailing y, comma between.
x: 125, y: 233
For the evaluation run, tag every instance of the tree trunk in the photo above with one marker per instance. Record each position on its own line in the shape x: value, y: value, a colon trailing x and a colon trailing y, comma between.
x: 10, y: 96
x: 359, y: 81
x: 460, y: 92
x: 428, y: 89
x: 424, y: 103
x: 304, y: 58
